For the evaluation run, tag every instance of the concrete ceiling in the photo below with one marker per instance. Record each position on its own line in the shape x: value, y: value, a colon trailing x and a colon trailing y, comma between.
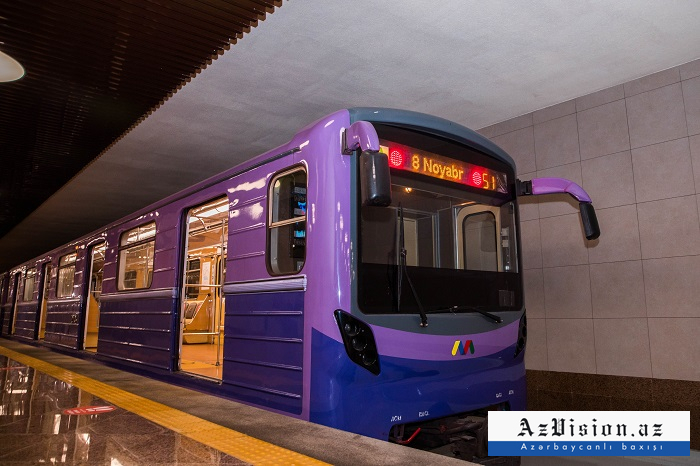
x: 476, y: 63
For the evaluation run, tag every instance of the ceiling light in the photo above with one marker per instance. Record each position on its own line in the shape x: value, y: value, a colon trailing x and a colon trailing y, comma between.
x: 10, y: 69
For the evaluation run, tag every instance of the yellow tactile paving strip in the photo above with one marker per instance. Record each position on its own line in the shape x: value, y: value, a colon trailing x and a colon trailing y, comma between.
x: 229, y: 441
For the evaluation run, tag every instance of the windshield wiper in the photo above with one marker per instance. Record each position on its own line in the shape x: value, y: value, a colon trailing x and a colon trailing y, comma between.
x: 404, y: 271
x: 493, y: 317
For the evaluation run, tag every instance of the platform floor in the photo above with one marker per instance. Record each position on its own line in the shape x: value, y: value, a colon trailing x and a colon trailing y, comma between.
x: 154, y: 423
x: 132, y: 421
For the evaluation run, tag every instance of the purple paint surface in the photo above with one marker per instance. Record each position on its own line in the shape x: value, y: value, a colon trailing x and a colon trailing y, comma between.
x: 559, y: 185
x: 401, y: 344
x: 361, y: 135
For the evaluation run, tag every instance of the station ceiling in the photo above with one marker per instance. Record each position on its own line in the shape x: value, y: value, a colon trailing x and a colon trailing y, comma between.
x: 127, y: 101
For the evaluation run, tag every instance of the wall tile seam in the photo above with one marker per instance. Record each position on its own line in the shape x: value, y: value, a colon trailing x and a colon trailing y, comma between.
x: 497, y: 134
x: 610, y: 262
x: 690, y: 78
x: 546, y: 336
x: 599, y: 105
x: 615, y: 261
x: 539, y: 122
x: 623, y: 318
x: 681, y: 66
x: 685, y: 116
x: 562, y: 215
x: 692, y: 167
x: 678, y: 80
x: 609, y: 154
x: 562, y: 165
x: 665, y: 141
x: 645, y: 259
x: 544, y: 297
x: 511, y: 132
x: 666, y: 199
x: 668, y: 257
x: 656, y: 143
x: 618, y: 206
x: 671, y: 317
x: 567, y: 266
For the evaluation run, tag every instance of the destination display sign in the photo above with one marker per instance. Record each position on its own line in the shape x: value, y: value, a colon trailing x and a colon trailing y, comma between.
x: 438, y: 166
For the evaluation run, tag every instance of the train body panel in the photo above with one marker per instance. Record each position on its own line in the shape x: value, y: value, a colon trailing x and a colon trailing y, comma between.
x: 409, y: 390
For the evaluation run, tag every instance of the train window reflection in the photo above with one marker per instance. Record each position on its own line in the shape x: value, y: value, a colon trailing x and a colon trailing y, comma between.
x: 136, y: 257
x: 29, y: 284
x: 66, y: 275
x: 287, y: 222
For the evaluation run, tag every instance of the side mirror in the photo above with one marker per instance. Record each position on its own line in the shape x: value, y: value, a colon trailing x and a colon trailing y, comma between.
x: 375, y: 179
x: 590, y: 220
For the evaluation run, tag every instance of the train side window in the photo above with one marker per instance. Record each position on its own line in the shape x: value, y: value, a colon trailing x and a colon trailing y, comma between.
x: 136, y: 248
x: 66, y: 275
x: 287, y: 222
x: 29, y: 284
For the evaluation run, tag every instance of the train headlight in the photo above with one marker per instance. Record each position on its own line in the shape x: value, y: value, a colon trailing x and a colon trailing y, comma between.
x: 359, y: 341
x: 351, y: 329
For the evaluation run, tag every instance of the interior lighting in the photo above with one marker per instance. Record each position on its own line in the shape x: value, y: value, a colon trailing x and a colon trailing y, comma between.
x: 10, y: 69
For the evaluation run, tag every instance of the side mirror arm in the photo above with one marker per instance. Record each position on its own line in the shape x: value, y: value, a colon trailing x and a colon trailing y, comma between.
x: 540, y: 186
x: 375, y: 177
x: 361, y: 136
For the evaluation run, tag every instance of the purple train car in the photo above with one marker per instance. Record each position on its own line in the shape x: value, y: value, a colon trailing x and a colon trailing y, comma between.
x: 365, y: 276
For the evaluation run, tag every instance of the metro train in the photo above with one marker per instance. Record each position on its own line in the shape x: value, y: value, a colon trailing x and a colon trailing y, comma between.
x: 367, y: 276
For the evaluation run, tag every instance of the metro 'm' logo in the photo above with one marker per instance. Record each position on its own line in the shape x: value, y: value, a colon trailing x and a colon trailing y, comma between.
x: 462, y: 348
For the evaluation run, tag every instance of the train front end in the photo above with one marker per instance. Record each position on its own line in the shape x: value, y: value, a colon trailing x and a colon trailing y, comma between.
x: 436, y: 330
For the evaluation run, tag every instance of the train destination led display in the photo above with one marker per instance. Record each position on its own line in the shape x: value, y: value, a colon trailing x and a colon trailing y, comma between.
x: 437, y: 166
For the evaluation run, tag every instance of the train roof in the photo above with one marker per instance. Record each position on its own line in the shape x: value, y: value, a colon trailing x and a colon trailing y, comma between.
x: 433, y: 125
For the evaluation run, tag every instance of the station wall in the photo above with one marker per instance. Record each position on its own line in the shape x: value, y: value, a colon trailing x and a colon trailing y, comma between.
x: 614, y: 322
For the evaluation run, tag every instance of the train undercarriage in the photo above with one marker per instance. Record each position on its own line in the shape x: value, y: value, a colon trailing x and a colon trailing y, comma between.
x: 462, y: 436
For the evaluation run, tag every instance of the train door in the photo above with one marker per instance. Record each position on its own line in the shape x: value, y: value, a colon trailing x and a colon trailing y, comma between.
x: 27, y: 292
x: 4, y: 290
x: 201, y: 345
x: 419, y: 238
x: 484, y: 238
x: 12, y: 299
x: 46, y: 274
x: 91, y: 322
x: 477, y: 245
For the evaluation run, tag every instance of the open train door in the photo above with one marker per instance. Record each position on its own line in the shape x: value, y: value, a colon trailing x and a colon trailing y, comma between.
x: 13, y: 309
x: 201, y: 345
x: 91, y: 321
x: 44, y: 301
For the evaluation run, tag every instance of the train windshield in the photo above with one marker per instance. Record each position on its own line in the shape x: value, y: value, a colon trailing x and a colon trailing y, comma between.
x: 451, y: 229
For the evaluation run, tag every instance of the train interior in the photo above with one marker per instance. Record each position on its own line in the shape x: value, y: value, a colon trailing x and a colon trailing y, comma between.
x: 15, y: 300
x: 441, y: 229
x: 203, y: 307
x: 44, y: 300
x: 92, y: 318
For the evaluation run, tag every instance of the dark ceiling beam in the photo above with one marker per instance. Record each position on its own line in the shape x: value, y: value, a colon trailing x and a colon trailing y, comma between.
x: 94, y: 70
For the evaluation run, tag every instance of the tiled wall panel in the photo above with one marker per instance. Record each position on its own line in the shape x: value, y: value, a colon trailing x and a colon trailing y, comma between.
x: 627, y: 304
